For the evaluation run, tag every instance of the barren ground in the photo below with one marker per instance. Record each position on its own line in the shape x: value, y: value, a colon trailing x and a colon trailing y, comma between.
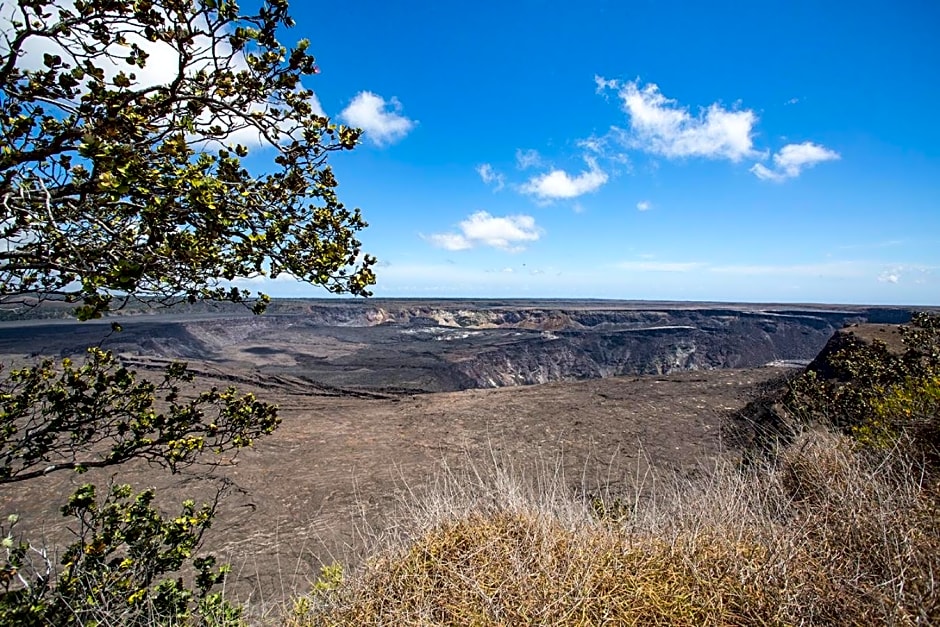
x: 334, y: 472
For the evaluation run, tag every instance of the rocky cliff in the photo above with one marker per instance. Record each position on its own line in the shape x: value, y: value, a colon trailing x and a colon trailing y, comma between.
x: 672, y: 341
x: 419, y: 346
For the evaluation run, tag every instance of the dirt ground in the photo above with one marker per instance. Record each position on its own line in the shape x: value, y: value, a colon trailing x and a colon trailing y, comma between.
x: 334, y: 473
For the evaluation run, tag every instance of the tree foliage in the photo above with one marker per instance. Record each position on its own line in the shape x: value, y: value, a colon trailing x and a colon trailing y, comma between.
x: 158, y: 150
x: 125, y: 125
x: 102, y: 414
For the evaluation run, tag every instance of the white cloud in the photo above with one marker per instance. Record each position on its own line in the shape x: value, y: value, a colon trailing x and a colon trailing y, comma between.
x: 382, y: 121
x: 559, y: 184
x: 792, y: 101
x: 491, y: 176
x: 662, y: 126
x: 794, y: 157
x: 526, y: 159
x: 791, y: 159
x: 889, y: 277
x: 482, y: 229
x: 450, y: 241
x: 644, y: 205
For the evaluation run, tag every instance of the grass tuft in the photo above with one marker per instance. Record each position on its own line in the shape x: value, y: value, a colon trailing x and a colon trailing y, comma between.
x: 824, y: 533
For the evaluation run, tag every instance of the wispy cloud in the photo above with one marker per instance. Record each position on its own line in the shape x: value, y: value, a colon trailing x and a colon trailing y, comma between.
x: 906, y: 273
x: 824, y: 269
x: 508, y: 233
x: 644, y: 205
x: 381, y: 120
x: 873, y: 245
x: 526, y: 159
x: 558, y: 184
x: 792, y: 159
x: 491, y: 176
x: 662, y: 126
x: 828, y: 269
x: 608, y: 147
x: 660, y: 266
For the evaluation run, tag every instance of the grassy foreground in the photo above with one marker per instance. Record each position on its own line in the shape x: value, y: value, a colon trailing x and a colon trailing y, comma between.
x: 824, y: 532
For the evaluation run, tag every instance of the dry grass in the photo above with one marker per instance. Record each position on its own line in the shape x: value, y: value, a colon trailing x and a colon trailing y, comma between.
x: 823, y: 534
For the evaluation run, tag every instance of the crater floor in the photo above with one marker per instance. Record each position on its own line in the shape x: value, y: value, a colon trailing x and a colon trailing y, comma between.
x: 335, y: 472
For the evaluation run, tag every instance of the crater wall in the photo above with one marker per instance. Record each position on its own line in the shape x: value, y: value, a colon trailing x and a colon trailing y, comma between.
x: 430, y: 346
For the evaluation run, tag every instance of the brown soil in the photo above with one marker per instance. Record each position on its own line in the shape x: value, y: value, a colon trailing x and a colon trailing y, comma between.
x: 337, y: 467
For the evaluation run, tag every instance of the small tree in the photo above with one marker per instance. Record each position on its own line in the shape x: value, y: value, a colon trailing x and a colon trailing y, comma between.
x: 124, y: 126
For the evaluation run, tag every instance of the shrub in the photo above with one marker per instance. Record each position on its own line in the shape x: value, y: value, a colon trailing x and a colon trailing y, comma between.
x: 880, y: 396
x: 118, y: 570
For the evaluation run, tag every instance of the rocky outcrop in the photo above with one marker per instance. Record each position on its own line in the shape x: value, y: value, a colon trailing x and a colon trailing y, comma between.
x: 851, y: 338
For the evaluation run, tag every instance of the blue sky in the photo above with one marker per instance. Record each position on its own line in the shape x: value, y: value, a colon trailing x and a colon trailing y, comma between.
x: 724, y: 151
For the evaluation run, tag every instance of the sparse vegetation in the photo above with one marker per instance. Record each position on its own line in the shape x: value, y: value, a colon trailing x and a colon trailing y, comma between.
x: 834, y: 527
